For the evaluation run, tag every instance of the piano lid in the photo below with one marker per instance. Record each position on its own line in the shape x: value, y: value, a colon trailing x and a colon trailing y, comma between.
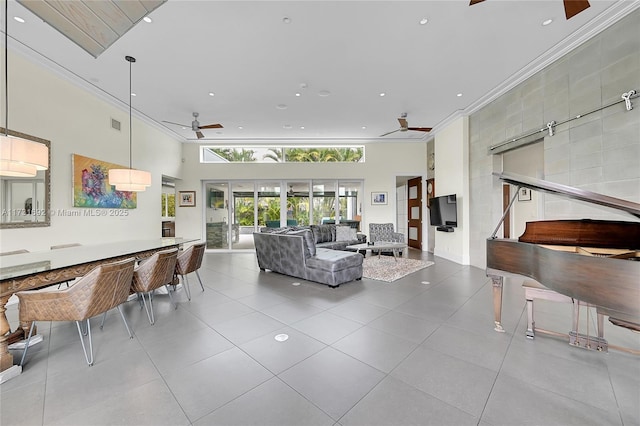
x: 570, y: 192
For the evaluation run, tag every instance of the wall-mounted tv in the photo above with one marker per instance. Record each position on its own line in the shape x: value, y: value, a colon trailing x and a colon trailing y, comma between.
x: 216, y: 199
x: 443, y: 213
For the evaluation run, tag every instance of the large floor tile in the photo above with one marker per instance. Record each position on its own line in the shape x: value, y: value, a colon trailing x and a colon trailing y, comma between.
x: 394, y: 402
x: 273, y: 403
x: 278, y: 356
x: 291, y: 312
x: 84, y: 386
x: 381, y: 350
x: 588, y: 383
x: 359, y: 310
x: 456, y: 382
x: 217, y: 314
x: 193, y: 347
x: 207, y: 385
x: 513, y: 402
x: 248, y: 327
x: 405, y: 326
x: 487, y: 351
x: 331, y: 380
x: 327, y: 327
x: 150, y: 404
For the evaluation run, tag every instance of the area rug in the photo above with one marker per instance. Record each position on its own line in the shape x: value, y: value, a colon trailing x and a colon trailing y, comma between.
x: 387, y: 269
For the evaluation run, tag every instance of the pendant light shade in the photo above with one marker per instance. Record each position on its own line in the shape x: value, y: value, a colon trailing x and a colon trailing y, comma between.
x: 22, y: 158
x: 18, y: 157
x: 130, y: 179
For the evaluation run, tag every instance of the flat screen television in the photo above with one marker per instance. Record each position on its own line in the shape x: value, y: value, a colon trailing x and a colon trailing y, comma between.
x: 443, y: 212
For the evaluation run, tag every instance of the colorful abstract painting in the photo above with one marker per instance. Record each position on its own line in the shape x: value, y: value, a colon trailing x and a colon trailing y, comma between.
x: 91, y: 185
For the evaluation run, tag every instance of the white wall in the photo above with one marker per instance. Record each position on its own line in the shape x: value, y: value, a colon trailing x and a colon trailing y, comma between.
x: 451, y: 177
x: 384, y: 161
x: 45, y: 105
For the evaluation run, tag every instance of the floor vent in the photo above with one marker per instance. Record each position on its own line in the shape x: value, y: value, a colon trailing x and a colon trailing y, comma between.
x: 115, y: 124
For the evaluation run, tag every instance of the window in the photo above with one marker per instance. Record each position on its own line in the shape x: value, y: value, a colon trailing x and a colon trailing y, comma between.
x: 310, y: 154
x: 168, y: 204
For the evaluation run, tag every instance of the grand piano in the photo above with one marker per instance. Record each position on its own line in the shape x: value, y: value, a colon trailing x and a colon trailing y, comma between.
x: 593, y: 261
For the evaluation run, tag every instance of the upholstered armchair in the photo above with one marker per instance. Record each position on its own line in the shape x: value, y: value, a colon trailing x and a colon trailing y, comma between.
x: 384, y: 232
x: 153, y: 273
x: 190, y: 260
x: 103, y: 288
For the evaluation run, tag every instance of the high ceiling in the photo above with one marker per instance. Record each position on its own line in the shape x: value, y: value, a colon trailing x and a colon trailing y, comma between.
x: 338, y: 56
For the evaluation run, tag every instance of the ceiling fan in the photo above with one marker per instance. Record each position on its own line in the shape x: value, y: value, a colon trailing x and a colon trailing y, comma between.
x: 571, y: 7
x: 404, y: 126
x: 196, y: 127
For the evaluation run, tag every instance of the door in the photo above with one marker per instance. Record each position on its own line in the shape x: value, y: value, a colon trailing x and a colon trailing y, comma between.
x: 414, y: 213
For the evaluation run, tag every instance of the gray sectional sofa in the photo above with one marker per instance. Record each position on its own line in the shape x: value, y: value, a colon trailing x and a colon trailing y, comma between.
x: 294, y: 252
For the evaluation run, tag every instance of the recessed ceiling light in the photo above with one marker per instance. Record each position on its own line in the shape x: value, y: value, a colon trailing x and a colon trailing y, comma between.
x: 19, y: 19
x: 298, y: 94
x: 147, y: 20
x: 211, y: 94
x: 423, y: 21
x: 286, y: 20
x: 301, y: 127
x: 281, y: 106
x: 240, y: 127
x: 287, y: 126
x: 324, y: 93
x: 459, y: 95
x: 547, y: 22
x: 364, y: 127
x: 184, y: 128
x: 133, y: 94
x: 382, y: 94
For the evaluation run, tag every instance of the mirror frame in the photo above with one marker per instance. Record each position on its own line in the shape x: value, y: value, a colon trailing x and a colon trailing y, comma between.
x: 47, y: 185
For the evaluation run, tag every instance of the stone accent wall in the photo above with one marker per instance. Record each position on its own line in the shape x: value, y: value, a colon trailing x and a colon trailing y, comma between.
x: 599, y: 152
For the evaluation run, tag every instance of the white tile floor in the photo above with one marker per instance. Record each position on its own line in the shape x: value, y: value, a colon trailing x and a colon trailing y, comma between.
x: 366, y: 353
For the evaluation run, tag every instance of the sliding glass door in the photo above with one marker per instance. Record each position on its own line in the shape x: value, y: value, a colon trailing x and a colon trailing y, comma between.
x: 236, y: 209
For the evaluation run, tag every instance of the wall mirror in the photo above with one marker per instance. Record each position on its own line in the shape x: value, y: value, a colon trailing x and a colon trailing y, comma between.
x: 25, y: 201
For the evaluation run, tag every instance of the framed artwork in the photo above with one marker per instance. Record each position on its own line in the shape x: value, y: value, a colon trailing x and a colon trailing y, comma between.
x: 378, y: 198
x: 524, y: 194
x: 187, y: 198
x: 91, y: 187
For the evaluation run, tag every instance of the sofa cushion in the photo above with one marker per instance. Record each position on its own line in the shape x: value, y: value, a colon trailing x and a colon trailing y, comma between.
x: 343, y: 233
x: 309, y: 243
x: 334, y: 260
x: 324, y: 233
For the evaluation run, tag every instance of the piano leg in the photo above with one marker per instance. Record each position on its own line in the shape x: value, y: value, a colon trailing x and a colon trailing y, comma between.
x: 531, y: 324
x: 497, y: 281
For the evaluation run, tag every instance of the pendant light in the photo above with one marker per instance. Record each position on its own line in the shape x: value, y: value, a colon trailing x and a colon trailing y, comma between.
x: 18, y: 157
x: 129, y: 179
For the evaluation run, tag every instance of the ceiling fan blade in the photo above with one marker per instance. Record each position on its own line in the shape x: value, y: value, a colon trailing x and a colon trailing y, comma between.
x: 472, y: 2
x: 177, y: 124
x: 388, y: 133
x: 420, y: 129
x: 573, y: 7
x: 212, y: 126
x: 403, y: 122
x: 199, y: 134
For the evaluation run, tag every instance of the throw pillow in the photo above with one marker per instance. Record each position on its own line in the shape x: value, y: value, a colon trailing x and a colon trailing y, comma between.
x: 343, y: 233
x: 353, y: 233
x: 323, y: 233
